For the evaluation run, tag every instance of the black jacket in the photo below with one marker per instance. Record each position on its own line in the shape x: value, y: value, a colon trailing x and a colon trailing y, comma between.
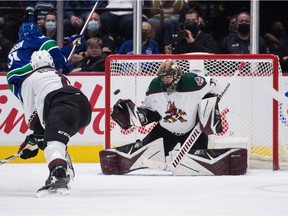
x: 232, y: 44
x: 91, y: 64
x: 204, y: 42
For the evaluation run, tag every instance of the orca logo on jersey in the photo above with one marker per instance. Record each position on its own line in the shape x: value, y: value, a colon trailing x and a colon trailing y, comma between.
x: 199, y: 80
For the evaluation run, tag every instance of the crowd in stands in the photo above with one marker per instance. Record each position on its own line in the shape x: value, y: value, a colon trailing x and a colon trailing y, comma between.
x: 168, y: 27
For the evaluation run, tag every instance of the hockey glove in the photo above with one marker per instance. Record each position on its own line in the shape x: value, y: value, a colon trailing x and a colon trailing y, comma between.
x: 29, y: 148
x: 67, y: 67
x: 76, y: 40
x: 121, y: 115
x: 126, y: 114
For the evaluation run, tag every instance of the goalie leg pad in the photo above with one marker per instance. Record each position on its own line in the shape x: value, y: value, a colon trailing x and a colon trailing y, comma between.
x: 238, y: 162
x: 229, y: 161
x: 121, y: 160
x: 109, y: 162
x: 127, y: 158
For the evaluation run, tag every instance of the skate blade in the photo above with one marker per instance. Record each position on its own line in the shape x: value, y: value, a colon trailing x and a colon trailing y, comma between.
x: 57, y: 192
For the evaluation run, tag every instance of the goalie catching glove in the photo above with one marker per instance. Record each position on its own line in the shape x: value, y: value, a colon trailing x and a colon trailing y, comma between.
x: 126, y: 114
x: 29, y: 148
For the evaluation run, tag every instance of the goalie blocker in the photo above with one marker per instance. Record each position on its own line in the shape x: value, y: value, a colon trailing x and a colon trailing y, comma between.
x: 124, y: 159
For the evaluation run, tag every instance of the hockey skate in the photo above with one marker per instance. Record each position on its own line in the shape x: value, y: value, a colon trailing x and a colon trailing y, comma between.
x: 55, y: 185
x: 70, y: 169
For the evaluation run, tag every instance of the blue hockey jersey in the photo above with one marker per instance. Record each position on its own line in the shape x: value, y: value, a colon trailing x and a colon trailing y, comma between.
x: 20, y: 55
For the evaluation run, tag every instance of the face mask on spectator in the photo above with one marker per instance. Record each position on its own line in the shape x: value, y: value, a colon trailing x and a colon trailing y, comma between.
x: 93, y: 25
x: 244, y: 28
x: 50, y: 26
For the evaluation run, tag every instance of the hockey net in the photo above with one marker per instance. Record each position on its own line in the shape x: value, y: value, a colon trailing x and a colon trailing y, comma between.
x: 250, y: 116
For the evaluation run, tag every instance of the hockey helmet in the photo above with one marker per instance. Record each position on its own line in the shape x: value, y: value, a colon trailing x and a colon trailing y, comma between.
x: 27, y: 28
x: 41, y: 58
x: 170, y: 67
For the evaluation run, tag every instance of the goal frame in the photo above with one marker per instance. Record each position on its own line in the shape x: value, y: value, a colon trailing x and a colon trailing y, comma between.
x: 275, y: 77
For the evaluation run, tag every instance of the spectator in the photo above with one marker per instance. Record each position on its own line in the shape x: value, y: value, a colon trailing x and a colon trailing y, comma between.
x: 94, y: 58
x: 201, y: 24
x: 11, y: 19
x: 191, y: 38
x: 94, y: 30
x: 50, y: 25
x: 75, y: 15
x: 277, y: 42
x: 119, y: 23
x: 149, y: 46
x: 239, y: 42
x: 5, y: 47
x: 232, y: 24
x: 171, y: 12
x: 37, y: 10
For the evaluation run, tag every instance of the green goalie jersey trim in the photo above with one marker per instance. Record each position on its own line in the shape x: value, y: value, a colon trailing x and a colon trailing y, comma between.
x: 188, y: 82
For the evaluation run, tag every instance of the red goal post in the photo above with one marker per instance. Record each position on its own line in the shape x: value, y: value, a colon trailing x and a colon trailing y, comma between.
x: 250, y: 116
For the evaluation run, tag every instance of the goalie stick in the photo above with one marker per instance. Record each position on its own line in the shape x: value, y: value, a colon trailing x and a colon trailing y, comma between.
x: 189, y: 142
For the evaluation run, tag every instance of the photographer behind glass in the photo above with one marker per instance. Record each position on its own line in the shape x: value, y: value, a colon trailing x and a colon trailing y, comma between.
x: 190, y: 38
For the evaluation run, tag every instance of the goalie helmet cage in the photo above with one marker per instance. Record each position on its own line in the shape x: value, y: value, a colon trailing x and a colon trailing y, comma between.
x: 249, y: 115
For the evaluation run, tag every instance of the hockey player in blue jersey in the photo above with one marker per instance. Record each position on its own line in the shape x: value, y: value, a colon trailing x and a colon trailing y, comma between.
x: 30, y: 40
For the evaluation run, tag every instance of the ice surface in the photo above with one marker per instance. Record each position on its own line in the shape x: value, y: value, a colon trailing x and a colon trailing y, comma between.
x: 145, y: 192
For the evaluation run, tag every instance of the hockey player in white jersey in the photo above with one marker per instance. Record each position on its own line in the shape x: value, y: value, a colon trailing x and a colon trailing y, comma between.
x: 172, y: 100
x: 55, y: 111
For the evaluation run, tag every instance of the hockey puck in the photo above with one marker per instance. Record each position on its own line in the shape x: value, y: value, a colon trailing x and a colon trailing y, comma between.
x: 116, y: 92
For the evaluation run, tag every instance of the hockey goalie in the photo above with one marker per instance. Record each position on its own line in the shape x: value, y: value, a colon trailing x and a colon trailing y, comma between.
x: 177, y: 101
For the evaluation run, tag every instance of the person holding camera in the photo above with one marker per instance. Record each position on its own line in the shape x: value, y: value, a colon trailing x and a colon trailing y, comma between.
x: 190, y: 38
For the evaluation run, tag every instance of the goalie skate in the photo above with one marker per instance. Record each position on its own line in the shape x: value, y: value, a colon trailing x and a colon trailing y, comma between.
x: 54, y: 186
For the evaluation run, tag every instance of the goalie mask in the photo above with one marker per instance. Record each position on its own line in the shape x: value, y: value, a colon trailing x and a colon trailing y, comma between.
x: 169, y: 68
x: 40, y: 59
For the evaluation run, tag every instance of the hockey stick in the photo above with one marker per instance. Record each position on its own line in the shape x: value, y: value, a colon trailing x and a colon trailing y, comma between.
x: 276, y: 94
x: 189, y: 142
x: 12, y: 157
x: 84, y: 28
